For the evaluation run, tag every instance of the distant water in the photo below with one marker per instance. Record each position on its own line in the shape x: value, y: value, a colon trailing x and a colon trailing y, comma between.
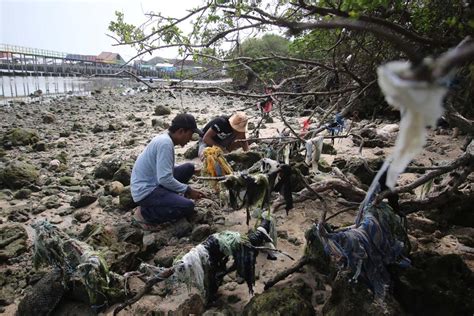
x: 23, y: 86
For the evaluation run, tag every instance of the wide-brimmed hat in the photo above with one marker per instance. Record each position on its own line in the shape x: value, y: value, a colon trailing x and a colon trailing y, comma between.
x: 238, y: 121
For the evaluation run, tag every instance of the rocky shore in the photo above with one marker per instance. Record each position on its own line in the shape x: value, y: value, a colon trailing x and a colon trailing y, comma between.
x: 69, y: 161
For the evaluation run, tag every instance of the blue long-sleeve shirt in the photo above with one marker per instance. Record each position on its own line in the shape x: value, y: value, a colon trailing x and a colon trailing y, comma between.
x: 154, y: 166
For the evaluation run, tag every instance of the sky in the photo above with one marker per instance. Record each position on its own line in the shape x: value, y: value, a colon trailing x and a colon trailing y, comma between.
x: 79, y: 26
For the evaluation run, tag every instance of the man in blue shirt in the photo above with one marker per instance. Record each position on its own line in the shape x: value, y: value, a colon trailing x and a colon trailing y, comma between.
x: 157, y: 185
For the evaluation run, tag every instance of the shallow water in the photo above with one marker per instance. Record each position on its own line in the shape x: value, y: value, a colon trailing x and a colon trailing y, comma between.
x: 23, y: 86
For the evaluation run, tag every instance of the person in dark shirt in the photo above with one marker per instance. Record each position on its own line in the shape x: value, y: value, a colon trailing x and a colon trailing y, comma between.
x: 223, y: 131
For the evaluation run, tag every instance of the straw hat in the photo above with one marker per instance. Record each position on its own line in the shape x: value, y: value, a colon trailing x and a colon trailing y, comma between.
x: 238, y: 121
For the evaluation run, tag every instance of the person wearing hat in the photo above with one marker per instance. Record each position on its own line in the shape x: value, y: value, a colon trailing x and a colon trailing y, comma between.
x: 157, y: 185
x: 223, y: 131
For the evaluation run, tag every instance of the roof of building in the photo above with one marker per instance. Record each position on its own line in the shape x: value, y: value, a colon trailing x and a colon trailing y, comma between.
x: 110, y: 57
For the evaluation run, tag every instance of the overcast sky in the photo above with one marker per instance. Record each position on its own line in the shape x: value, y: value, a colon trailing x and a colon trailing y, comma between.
x: 78, y: 26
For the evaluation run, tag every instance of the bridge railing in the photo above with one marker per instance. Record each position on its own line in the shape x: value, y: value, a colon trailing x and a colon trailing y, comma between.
x: 31, y: 51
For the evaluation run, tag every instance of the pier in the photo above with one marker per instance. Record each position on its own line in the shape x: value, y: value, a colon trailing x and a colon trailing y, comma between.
x: 24, y: 61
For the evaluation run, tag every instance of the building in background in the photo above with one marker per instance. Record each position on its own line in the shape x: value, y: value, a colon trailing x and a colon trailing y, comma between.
x: 110, y: 58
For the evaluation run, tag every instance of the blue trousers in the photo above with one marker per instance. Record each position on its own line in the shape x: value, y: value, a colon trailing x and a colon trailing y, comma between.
x: 163, y: 205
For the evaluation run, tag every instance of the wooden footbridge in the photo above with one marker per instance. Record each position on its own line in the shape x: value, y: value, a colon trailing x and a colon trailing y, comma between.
x: 24, y: 61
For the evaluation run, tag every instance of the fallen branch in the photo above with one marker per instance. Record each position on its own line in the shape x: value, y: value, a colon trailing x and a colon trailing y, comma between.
x: 148, y: 286
x: 347, y: 190
x: 464, y: 160
x: 275, y: 250
x: 450, y: 197
x: 282, y: 275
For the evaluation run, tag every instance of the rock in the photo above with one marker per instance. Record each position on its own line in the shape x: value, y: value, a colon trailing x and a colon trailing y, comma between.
x: 114, y: 126
x: 162, y: 110
x: 349, y: 298
x: 201, y: 232
x: 153, y: 243
x: 324, y: 166
x: 68, y: 181
x: 454, y: 213
x: 97, y: 235
x: 243, y: 160
x: 328, y: 149
x: 159, y: 123
x: 182, y: 228
x: 13, y: 238
x: 373, y: 139
x: 22, y: 194
x: 82, y: 217
x: 220, y: 311
x: 295, y: 241
x: 419, y: 222
x: 192, y: 152
x: 77, y: 127
x: 279, y: 301
x: 388, y: 129
x: 194, y: 305
x: 364, y: 170
x: 73, y: 308
x: 470, y: 148
x: 165, y: 256
x: 44, y: 296
x: 84, y: 198
x: 125, y: 199
x: 17, y: 174
x: 19, y: 214
x: 233, y: 298
x: 40, y: 146
x: 122, y: 257
x: 378, y: 152
x: 20, y: 137
x: 127, y: 233
x: 320, y: 298
x: 54, y: 164
x: 283, y: 234
x: 124, y: 173
x: 113, y: 188
x: 435, y: 285
x: 97, y: 128
x: 64, y: 134
x: 49, y: 118
x: 414, y: 244
x: 50, y: 202
x: 61, y: 144
x: 105, y: 201
x: 56, y: 219
x: 107, y: 168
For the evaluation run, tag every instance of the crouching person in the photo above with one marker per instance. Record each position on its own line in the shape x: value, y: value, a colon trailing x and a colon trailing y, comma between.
x: 157, y: 185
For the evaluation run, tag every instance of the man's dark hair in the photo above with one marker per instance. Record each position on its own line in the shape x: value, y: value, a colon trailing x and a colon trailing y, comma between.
x: 184, y: 121
x: 174, y: 128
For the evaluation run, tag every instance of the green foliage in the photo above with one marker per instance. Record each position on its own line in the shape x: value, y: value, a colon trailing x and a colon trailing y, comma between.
x: 442, y: 19
x: 127, y: 33
x: 311, y: 45
x: 262, y: 47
